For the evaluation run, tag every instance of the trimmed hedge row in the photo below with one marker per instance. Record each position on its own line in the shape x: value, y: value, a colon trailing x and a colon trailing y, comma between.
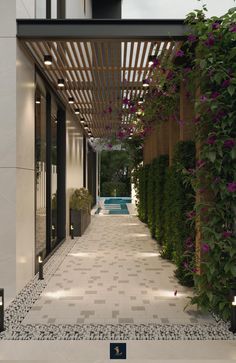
x: 164, y: 201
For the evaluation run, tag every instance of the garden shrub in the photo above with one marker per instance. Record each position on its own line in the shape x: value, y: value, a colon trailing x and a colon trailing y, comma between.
x: 114, y: 189
x: 142, y: 182
x: 151, y: 185
x: 161, y: 166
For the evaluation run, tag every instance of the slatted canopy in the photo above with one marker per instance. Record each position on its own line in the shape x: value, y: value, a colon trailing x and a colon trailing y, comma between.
x: 99, y: 72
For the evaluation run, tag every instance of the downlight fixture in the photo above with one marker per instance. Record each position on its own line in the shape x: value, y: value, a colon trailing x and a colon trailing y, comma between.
x: 71, y: 100
x: 146, y: 83
x: 140, y: 101
x: 151, y: 60
x: 86, y: 127
x: 61, y: 82
x: 77, y: 111
x: 82, y: 121
x: 47, y: 59
x: 38, y: 101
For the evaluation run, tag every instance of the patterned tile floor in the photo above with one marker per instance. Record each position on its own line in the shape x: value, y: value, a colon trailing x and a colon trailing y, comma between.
x: 114, y: 274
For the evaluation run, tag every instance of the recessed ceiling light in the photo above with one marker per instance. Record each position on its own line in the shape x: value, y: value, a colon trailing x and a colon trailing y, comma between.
x: 145, y: 83
x: 86, y: 127
x: 140, y: 101
x: 82, y: 121
x: 77, y: 111
x: 38, y: 101
x: 71, y: 100
x: 61, y: 82
x: 47, y: 59
x: 151, y: 60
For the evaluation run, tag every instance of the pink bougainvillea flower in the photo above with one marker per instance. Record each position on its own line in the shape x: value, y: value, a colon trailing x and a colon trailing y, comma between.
x: 219, y: 115
x: 170, y: 75
x: 200, y: 163
x: 225, y: 83
x: 192, y: 38
x: 187, y: 69
x: 232, y: 28
x: 231, y: 187
x: 191, y: 171
x: 215, y: 25
x: 214, y: 95
x: 211, y: 139
x: 229, y: 144
x: 227, y: 234
x: 203, y: 98
x: 109, y: 146
x: 125, y: 101
x: 191, y: 214
x: 189, y: 242
x: 132, y: 109
x: 202, y: 190
x: 205, y: 248
x: 185, y: 265
x: 155, y: 63
x: 210, y: 41
x: 179, y: 53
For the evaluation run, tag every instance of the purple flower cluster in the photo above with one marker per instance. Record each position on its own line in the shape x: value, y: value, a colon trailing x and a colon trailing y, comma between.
x: 229, y: 144
x: 231, y: 187
x: 210, y: 41
x: 211, y: 139
x: 205, y: 248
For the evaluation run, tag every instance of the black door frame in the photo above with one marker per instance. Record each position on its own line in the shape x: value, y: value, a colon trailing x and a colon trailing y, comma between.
x: 61, y: 170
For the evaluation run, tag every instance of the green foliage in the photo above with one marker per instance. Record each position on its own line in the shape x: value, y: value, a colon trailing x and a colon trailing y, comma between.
x: 115, y: 173
x: 81, y: 199
x: 214, y: 73
x: 151, y: 182
x: 142, y: 192
x: 114, y: 189
x: 178, y: 201
x: 160, y: 179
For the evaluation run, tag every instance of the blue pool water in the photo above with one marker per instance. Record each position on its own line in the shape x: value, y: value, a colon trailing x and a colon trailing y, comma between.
x: 116, y: 205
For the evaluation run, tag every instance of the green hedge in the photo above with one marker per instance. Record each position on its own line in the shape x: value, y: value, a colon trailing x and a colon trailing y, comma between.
x: 179, y: 199
x: 164, y: 201
x: 142, y: 183
x: 114, y: 189
x: 160, y: 180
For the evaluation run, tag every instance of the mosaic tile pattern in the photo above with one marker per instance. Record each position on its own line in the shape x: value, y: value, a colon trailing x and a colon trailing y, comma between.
x: 109, y: 284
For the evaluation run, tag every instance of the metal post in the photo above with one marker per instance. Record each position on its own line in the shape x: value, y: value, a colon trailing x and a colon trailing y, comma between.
x: 72, y: 231
x: 233, y: 316
x: 1, y: 310
x: 40, y: 261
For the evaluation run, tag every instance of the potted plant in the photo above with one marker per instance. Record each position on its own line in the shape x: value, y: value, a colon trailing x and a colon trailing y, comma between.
x: 80, y: 211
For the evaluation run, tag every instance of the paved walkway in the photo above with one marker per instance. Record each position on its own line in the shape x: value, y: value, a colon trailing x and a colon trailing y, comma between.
x: 114, y: 274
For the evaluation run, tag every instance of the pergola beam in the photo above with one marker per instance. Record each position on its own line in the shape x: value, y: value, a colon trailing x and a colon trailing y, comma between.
x: 101, y: 29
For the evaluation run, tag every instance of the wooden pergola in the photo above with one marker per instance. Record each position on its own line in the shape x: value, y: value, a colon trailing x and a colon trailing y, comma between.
x: 101, y: 62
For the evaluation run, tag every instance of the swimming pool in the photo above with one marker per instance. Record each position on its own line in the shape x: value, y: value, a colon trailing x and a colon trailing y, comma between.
x: 114, y: 205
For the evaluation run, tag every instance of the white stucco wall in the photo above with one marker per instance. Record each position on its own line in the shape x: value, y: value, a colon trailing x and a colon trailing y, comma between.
x: 25, y: 169
x: 16, y: 157
x: 74, y: 160
x: 25, y: 9
x: 75, y: 9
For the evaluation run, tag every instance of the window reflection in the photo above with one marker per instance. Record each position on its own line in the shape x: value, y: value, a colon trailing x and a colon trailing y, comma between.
x: 40, y: 164
x: 54, y: 173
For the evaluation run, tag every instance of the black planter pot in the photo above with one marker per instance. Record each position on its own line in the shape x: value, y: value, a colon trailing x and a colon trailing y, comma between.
x: 80, y: 219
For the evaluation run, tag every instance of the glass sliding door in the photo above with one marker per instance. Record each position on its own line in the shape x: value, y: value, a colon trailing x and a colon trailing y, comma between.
x: 54, y: 194
x: 50, y: 205
x: 40, y: 173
